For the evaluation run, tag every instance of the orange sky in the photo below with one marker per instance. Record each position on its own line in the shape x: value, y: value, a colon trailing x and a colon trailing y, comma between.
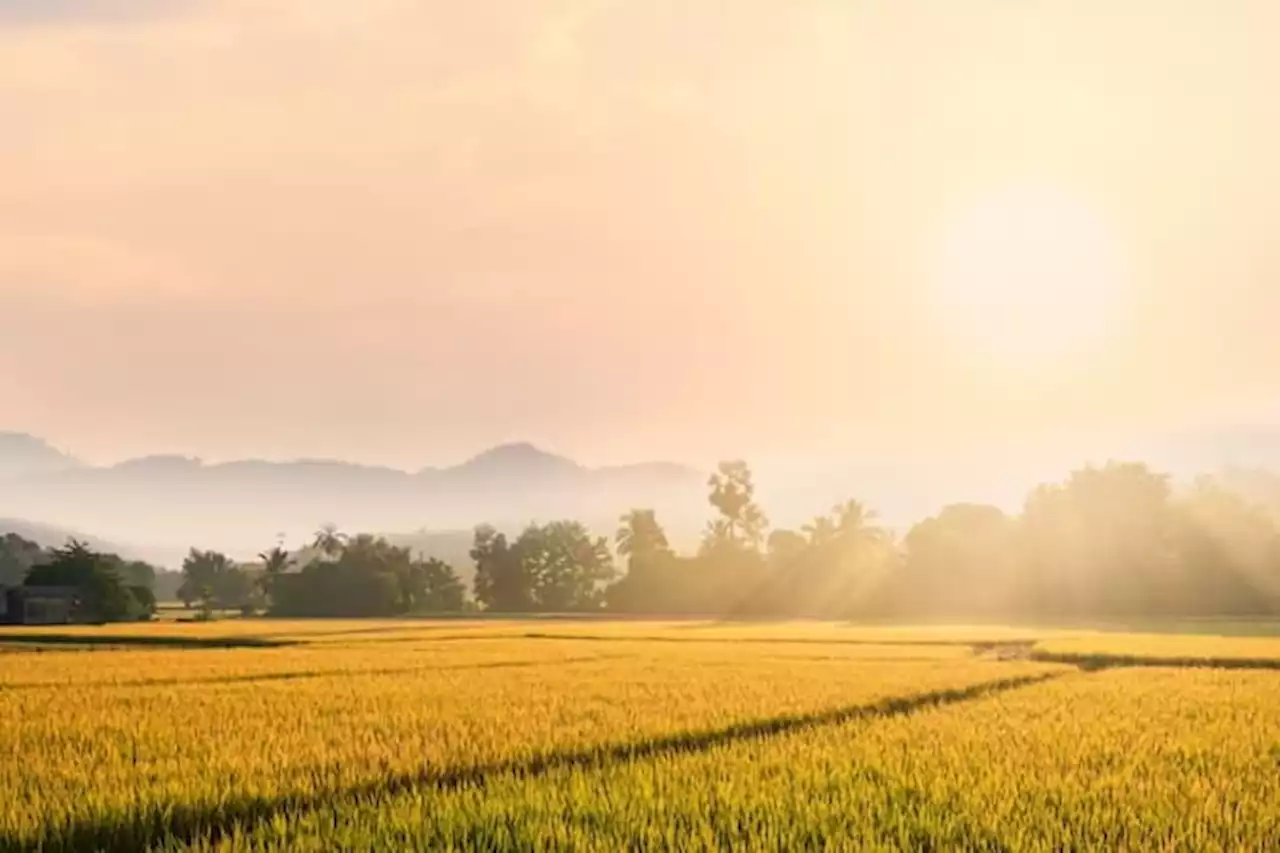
x: 401, y: 231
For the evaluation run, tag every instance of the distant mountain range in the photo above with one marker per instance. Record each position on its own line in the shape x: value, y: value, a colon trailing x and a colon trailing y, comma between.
x: 172, y: 502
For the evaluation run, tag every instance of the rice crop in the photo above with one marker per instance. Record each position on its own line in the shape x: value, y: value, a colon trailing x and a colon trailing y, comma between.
x: 611, y: 736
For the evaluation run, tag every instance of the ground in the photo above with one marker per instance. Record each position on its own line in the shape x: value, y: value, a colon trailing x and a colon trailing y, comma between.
x: 597, y: 735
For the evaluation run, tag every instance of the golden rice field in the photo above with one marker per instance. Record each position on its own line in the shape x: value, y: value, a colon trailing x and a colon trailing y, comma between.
x: 592, y: 735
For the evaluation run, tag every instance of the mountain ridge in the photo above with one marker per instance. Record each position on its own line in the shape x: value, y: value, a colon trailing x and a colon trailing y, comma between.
x: 172, y: 501
x: 27, y: 454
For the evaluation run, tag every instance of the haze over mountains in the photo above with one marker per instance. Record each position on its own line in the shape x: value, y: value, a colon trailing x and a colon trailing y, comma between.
x: 163, y: 504
x: 156, y: 507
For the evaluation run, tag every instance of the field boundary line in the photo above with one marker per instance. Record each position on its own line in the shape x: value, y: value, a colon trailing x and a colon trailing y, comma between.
x: 301, y: 675
x: 123, y: 642
x: 1092, y: 661
x: 976, y: 645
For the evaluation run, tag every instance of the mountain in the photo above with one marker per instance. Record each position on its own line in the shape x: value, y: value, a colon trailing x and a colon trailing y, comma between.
x: 22, y: 454
x: 52, y: 536
x: 174, y: 502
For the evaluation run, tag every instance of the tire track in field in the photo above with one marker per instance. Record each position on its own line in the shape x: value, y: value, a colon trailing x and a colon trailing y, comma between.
x: 169, y: 823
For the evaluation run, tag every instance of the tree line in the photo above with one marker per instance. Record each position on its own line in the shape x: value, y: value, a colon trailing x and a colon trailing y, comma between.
x: 1114, y: 541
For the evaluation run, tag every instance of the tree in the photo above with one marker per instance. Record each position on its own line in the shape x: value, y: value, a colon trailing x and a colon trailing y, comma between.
x: 640, y: 535
x: 216, y: 582
x: 1102, y: 543
x: 501, y: 582
x: 146, y: 601
x: 566, y: 566
x: 275, y: 562
x: 1230, y: 548
x: 103, y: 596
x: 741, y: 523
x: 824, y: 572
x: 785, y: 547
x: 822, y: 531
x: 961, y: 562
x: 650, y: 585
x: 856, y: 524
x: 329, y: 541
x: 17, y: 557
x: 138, y: 573
x: 437, y: 588
x: 360, y: 576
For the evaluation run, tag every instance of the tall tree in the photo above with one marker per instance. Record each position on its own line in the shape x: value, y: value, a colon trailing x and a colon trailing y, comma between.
x: 640, y: 535
x: 275, y: 562
x: 741, y: 523
x: 650, y: 585
x: 1102, y: 543
x: 215, y: 581
x: 566, y: 565
x: 435, y: 587
x: 329, y: 541
x: 961, y: 562
x: 501, y: 583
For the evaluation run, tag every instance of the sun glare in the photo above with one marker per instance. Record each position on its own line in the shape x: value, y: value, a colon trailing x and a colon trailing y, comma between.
x: 1028, y: 276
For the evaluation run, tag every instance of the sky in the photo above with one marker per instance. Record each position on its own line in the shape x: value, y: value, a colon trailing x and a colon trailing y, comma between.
x: 399, y: 231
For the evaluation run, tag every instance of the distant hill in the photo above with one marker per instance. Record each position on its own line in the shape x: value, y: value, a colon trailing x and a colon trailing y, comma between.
x: 51, y: 536
x: 242, y: 507
x: 22, y: 455
x: 452, y: 546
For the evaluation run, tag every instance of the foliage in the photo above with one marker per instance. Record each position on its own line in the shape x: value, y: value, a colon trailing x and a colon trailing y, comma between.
x: 961, y: 561
x: 1109, y: 542
x: 434, y: 587
x: 361, y: 575
x: 17, y: 556
x: 566, y: 567
x: 741, y: 523
x: 274, y: 563
x: 650, y: 581
x: 146, y: 600
x: 103, y: 595
x: 555, y: 567
x: 501, y: 582
x: 213, y: 580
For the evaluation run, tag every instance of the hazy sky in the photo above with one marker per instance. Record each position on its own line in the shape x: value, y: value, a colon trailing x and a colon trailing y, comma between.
x: 399, y: 231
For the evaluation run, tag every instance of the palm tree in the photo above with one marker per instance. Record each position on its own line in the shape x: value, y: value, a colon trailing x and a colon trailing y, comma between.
x: 640, y: 534
x: 855, y: 520
x: 820, y: 531
x: 274, y: 563
x: 329, y: 541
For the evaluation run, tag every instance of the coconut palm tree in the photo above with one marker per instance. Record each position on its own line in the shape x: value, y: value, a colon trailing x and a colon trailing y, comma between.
x: 640, y: 534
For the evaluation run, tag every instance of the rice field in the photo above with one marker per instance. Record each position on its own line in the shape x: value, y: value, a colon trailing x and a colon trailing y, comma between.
x: 590, y: 735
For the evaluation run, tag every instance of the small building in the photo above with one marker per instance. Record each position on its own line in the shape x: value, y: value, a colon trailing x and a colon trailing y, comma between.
x: 39, y: 605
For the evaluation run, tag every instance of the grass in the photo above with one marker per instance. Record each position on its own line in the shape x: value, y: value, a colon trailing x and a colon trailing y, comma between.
x: 473, y: 734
